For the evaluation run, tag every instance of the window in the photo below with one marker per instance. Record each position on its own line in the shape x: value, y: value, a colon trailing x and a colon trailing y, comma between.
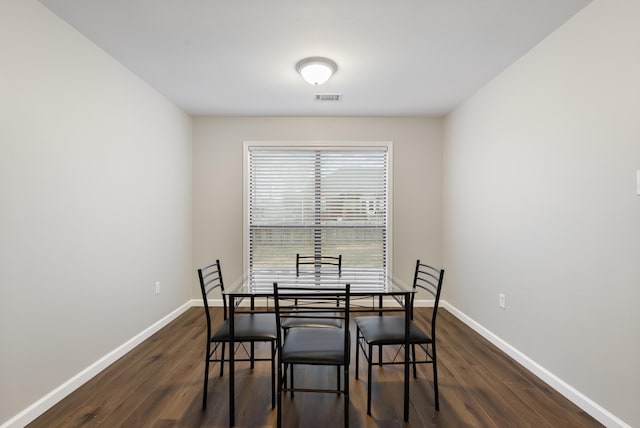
x: 326, y: 200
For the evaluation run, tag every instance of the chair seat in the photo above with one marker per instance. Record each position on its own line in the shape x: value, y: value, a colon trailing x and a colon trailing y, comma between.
x: 325, y: 319
x: 389, y: 330
x: 248, y: 327
x: 314, y: 346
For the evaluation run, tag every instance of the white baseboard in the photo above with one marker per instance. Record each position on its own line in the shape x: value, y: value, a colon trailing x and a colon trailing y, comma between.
x: 45, y: 403
x: 585, y: 403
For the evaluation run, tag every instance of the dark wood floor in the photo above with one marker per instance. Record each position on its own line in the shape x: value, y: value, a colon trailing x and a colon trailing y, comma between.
x: 159, y: 384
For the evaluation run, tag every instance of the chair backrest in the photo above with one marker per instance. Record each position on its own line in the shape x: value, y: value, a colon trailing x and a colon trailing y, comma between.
x: 211, y: 280
x: 429, y: 279
x: 312, y: 302
x: 317, y: 261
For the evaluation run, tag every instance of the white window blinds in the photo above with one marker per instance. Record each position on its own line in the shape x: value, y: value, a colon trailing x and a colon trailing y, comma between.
x: 323, y: 201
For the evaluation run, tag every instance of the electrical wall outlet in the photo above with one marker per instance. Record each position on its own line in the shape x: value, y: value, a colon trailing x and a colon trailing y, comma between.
x: 502, y: 301
x: 157, y: 287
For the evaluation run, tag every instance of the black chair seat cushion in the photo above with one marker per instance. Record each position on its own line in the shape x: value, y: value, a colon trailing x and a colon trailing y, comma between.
x: 389, y: 330
x: 325, y: 319
x: 314, y: 346
x: 249, y: 327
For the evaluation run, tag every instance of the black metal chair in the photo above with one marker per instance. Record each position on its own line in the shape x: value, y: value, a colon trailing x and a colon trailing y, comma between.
x: 381, y: 330
x: 318, y: 261
x: 329, y: 320
x: 312, y: 345
x: 248, y: 328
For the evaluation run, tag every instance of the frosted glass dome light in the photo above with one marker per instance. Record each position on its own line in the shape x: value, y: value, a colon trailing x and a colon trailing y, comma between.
x: 316, y: 70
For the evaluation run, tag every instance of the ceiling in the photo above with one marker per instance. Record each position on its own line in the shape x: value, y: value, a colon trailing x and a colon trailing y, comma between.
x: 238, y: 57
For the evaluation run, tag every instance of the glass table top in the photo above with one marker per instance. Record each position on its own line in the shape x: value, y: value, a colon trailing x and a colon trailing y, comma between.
x: 259, y: 282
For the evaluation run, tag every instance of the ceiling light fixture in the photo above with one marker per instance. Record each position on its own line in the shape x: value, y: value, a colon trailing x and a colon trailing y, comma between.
x: 316, y: 70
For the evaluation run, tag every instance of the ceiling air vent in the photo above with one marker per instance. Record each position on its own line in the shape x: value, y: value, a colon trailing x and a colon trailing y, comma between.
x: 328, y: 97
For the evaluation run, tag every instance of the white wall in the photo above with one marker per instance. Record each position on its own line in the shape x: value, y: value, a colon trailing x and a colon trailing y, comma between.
x: 540, y: 204
x: 95, y: 204
x: 218, y: 181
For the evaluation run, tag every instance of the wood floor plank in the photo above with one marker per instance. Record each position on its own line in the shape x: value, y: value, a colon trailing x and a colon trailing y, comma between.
x: 512, y: 379
x: 159, y: 384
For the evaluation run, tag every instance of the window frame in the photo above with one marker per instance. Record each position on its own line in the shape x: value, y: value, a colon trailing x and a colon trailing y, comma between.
x: 317, y: 145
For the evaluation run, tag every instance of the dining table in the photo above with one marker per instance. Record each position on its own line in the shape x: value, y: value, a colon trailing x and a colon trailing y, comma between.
x: 377, y: 283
